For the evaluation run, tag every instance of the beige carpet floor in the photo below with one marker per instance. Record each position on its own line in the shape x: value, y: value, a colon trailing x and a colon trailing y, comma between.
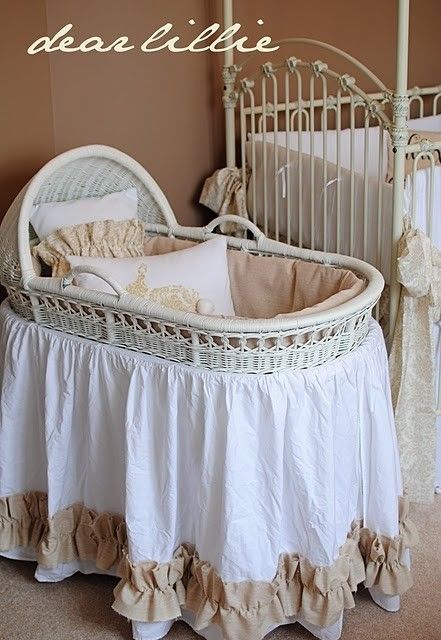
x: 79, y: 607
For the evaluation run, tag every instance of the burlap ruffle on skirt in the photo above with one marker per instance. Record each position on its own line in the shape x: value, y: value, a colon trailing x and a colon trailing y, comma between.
x: 75, y: 533
x: 153, y: 592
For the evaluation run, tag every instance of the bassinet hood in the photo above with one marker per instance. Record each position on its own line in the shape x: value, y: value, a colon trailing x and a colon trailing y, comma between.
x: 88, y: 171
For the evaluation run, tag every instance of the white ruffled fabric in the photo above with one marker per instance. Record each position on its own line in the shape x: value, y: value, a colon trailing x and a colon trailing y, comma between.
x: 195, y: 456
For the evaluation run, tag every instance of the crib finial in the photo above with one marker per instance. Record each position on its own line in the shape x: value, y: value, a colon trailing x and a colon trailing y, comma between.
x: 346, y: 81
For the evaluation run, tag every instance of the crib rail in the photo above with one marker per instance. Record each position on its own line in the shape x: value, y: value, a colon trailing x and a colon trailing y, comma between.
x: 301, y: 128
x: 316, y: 157
x: 315, y: 152
x: 287, y: 93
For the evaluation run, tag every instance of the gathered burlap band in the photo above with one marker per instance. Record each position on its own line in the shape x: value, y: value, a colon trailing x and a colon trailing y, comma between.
x: 153, y: 592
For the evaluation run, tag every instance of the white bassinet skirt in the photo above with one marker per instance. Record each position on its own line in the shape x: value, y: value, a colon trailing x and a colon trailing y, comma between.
x: 244, y: 467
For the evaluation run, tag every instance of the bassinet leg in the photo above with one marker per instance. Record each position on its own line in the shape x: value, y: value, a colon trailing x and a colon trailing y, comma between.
x: 150, y: 630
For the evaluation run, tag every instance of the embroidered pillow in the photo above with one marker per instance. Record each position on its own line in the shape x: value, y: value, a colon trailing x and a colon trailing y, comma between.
x: 50, y: 216
x: 415, y: 137
x: 105, y: 238
x: 194, y: 279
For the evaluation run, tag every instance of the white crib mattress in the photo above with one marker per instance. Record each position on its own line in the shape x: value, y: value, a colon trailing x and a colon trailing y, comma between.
x: 244, y: 467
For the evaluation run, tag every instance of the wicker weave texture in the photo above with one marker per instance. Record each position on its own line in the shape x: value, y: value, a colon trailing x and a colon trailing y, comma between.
x: 224, y: 344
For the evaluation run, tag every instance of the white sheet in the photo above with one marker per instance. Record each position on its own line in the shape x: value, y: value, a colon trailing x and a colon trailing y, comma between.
x: 430, y: 123
x: 427, y: 123
x: 346, y: 138
x: 211, y: 457
x: 429, y: 221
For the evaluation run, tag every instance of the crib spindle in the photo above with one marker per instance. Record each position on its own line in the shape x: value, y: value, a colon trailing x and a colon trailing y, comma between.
x: 276, y: 152
x: 325, y: 161
x: 365, y: 183
x: 287, y: 159
x: 243, y: 137
x: 299, y: 152
x: 264, y: 157
x: 352, y: 178
x: 338, y: 186
x: 380, y: 189
x: 253, y: 151
x: 311, y: 159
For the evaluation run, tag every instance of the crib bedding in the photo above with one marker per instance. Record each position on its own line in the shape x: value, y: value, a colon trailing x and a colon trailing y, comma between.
x: 346, y: 138
x: 278, y: 188
x: 234, y: 282
x: 300, y: 456
x: 182, y: 279
x: 358, y: 138
x: 47, y: 217
x: 104, y: 238
x: 419, y: 189
x: 426, y: 123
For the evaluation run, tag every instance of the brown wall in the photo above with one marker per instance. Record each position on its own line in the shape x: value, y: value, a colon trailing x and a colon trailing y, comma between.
x: 156, y: 107
x: 366, y: 30
x: 26, y: 126
x: 165, y: 109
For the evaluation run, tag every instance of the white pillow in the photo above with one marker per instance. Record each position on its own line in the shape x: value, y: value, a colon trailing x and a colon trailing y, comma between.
x: 202, y: 270
x: 50, y: 216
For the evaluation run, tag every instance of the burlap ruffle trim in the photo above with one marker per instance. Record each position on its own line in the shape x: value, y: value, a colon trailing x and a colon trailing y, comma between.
x: 153, y: 592
x: 75, y: 533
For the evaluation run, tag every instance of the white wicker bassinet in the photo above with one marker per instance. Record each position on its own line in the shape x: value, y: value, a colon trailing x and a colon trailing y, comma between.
x: 231, y: 344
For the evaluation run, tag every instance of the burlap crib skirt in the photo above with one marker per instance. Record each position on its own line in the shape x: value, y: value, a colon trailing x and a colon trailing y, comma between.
x: 153, y: 592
